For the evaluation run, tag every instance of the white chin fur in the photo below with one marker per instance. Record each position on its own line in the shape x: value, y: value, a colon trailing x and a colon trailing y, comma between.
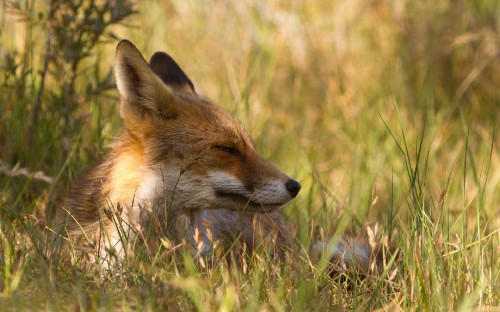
x: 190, y: 191
x: 187, y: 191
x: 272, y: 192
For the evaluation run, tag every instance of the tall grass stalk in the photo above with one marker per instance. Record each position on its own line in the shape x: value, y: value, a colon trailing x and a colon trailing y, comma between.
x: 384, y: 110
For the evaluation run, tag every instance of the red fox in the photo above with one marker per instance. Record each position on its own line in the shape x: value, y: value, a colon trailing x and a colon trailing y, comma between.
x: 182, y: 160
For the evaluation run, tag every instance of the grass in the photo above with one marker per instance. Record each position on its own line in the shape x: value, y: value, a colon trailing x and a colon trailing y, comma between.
x: 385, y: 111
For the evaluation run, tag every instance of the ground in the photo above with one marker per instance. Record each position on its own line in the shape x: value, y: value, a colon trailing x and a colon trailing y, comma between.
x: 385, y: 111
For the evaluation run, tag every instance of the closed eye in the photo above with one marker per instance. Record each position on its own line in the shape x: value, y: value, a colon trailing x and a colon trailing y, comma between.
x: 228, y: 150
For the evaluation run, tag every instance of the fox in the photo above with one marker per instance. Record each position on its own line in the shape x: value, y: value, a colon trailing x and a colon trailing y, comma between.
x: 185, y: 163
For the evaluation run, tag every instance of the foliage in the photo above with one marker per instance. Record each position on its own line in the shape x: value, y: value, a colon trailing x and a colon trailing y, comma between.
x: 384, y: 110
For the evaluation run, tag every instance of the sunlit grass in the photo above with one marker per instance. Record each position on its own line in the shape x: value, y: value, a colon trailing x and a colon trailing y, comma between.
x: 384, y: 111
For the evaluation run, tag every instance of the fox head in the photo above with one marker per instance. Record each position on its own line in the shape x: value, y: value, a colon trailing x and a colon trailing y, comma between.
x: 190, y: 152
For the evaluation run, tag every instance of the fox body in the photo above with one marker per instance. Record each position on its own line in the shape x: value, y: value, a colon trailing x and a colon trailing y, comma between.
x: 181, y: 159
x: 184, y: 163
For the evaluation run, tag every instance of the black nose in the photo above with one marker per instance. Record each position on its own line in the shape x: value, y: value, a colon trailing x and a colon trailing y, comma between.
x: 293, y: 187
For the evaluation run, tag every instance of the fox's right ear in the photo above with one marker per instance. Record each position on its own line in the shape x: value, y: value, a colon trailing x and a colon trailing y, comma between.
x: 170, y: 73
x: 142, y: 92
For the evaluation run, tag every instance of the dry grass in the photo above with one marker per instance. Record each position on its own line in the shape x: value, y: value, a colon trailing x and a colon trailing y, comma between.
x: 384, y: 110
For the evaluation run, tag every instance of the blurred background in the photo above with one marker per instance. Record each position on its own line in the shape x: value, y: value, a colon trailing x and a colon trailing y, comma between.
x: 385, y: 110
x: 346, y: 96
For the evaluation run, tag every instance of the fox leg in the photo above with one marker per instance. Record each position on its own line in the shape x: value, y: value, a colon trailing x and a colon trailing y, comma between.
x: 346, y: 253
x: 230, y: 228
x: 270, y: 232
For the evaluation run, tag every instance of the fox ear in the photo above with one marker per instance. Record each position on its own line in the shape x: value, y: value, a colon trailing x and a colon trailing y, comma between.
x: 164, y: 66
x: 142, y: 92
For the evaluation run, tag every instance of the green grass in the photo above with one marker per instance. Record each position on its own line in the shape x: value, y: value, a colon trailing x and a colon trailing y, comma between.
x: 384, y: 111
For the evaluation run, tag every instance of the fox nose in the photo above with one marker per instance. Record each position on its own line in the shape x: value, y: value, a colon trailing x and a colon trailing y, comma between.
x: 293, y: 187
